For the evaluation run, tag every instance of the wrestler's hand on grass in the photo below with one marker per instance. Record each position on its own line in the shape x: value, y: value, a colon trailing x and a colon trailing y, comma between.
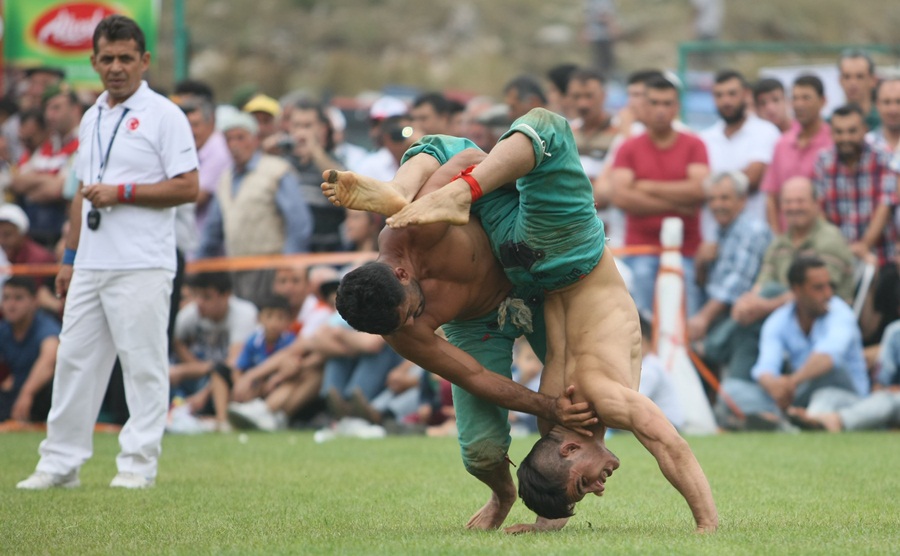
x: 541, y: 524
x: 574, y: 416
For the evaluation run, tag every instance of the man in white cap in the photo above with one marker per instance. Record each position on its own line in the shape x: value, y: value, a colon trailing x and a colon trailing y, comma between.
x: 258, y: 208
x: 384, y: 118
x: 19, y: 248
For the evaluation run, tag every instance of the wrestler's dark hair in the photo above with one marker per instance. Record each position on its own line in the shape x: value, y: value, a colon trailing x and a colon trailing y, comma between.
x: 119, y: 28
x: 368, y: 298
x: 543, y: 476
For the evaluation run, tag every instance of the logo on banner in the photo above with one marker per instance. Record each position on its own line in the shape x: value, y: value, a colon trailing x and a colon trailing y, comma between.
x: 70, y: 27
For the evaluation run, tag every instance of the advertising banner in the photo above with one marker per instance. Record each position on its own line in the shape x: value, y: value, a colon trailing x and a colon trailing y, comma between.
x: 58, y: 33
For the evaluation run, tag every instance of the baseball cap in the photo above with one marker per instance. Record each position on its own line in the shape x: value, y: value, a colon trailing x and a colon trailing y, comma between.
x: 263, y: 103
x: 387, y: 106
x: 15, y: 215
x: 235, y: 120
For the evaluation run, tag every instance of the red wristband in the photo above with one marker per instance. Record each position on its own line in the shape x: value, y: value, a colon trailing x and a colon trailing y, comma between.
x: 125, y: 193
x: 474, y: 186
x: 120, y: 194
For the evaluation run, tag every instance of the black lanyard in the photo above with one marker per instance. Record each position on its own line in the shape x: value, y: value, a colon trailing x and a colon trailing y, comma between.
x: 104, y: 159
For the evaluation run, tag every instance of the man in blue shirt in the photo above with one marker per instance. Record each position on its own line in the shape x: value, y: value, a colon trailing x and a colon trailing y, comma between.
x: 28, y: 341
x: 818, y: 335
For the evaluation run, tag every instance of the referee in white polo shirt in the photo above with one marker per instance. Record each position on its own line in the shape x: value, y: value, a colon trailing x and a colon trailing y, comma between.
x: 136, y: 162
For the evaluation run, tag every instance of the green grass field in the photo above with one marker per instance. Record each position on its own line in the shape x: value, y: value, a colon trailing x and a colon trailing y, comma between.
x: 284, y: 494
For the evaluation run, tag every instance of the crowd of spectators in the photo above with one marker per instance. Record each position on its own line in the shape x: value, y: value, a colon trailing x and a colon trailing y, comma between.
x: 790, y: 245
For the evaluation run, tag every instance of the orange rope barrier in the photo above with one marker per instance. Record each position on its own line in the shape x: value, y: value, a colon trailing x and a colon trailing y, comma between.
x: 259, y: 262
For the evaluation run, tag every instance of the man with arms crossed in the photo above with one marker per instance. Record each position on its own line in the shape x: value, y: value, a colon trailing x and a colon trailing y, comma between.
x: 118, y: 294
x: 549, y: 238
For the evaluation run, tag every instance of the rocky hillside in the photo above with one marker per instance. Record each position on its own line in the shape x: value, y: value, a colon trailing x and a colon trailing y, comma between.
x: 347, y: 46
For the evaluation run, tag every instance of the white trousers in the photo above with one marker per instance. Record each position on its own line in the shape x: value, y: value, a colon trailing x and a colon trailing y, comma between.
x: 110, y: 313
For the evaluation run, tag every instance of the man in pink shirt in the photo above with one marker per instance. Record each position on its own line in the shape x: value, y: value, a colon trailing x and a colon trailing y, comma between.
x: 656, y: 175
x: 798, y: 149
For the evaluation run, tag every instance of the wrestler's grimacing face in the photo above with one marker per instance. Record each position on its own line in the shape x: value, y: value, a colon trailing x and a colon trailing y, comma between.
x: 591, y: 467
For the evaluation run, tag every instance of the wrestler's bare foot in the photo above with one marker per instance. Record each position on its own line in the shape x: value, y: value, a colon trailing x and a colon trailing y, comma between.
x: 541, y: 524
x: 355, y: 191
x: 450, y: 204
x: 492, y: 514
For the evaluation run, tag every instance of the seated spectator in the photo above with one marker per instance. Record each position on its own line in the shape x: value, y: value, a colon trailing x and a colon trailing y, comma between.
x: 397, y: 401
x: 807, y: 233
x: 210, y: 330
x: 296, y: 371
x: 656, y: 382
x: 272, y: 335
x: 817, y: 335
x: 356, y: 364
x: 28, y: 342
x: 14, y: 239
x: 846, y: 411
x: 727, y: 269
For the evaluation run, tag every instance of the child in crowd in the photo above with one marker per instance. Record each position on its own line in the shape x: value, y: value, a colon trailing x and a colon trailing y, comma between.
x: 273, y: 334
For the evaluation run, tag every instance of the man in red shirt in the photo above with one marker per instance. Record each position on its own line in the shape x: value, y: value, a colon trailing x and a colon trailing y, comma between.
x: 659, y: 174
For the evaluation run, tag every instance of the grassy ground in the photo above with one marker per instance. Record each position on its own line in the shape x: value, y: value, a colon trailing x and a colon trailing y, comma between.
x: 282, y: 493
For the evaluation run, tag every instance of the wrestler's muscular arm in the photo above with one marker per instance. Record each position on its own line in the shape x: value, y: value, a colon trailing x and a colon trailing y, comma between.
x: 419, y: 344
x: 624, y: 408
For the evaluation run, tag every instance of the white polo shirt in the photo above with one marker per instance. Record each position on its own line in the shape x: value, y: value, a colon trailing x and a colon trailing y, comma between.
x: 754, y: 142
x: 153, y: 143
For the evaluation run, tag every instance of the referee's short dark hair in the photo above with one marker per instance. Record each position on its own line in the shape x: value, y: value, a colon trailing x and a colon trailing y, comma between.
x: 117, y: 27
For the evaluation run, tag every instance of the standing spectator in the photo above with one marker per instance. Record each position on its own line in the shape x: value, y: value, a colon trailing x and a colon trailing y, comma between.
x: 558, y: 90
x: 656, y: 175
x: 347, y: 153
x: 266, y: 111
x: 729, y: 272
x: 258, y: 209
x: 770, y: 103
x: 118, y: 297
x: 739, y: 141
x: 708, y: 15
x: 522, y: 94
x: 601, y: 29
x: 29, y: 339
x: 41, y: 176
x: 887, y: 102
x: 595, y: 131
x: 312, y: 153
x: 383, y: 164
x: 361, y: 229
x: 818, y: 336
x: 858, y: 80
x: 32, y: 133
x: 212, y: 149
x: 431, y: 114
x: 856, y: 187
x: 797, y: 150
